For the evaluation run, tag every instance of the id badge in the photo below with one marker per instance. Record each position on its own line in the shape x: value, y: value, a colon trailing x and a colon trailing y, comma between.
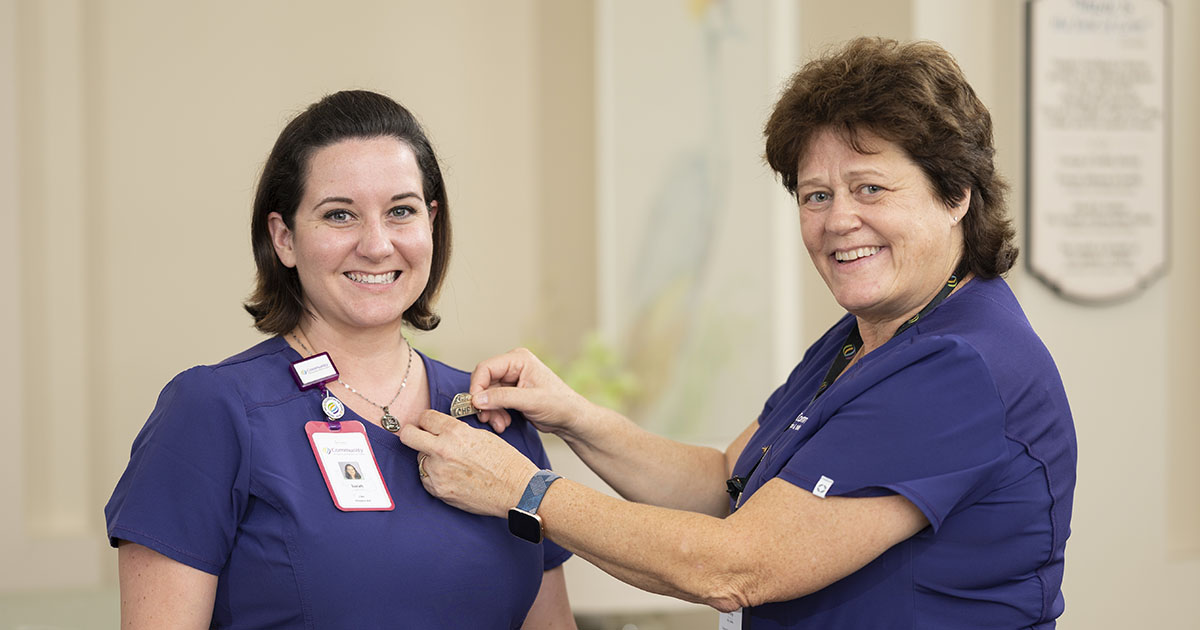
x: 731, y: 620
x: 349, y: 467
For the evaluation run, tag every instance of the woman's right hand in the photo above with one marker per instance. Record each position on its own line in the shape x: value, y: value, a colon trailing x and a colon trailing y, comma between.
x: 519, y: 380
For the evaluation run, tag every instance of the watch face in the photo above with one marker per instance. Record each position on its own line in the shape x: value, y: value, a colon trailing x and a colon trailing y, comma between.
x: 522, y: 524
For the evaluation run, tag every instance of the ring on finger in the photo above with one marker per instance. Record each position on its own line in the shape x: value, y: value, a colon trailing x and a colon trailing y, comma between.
x: 421, y: 465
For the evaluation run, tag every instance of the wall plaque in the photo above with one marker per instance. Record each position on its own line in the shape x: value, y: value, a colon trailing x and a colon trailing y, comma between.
x: 1096, y: 180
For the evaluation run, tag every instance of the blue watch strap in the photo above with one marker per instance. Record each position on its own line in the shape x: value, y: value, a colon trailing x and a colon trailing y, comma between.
x: 536, y: 489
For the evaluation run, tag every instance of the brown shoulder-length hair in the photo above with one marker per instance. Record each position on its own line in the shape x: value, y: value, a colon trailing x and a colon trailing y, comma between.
x: 914, y: 95
x: 277, y: 303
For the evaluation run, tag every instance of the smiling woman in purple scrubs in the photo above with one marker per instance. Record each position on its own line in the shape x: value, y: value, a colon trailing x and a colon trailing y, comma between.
x: 916, y: 469
x: 228, y: 516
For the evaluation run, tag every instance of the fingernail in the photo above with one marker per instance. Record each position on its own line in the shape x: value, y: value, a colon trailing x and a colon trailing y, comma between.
x: 481, y: 398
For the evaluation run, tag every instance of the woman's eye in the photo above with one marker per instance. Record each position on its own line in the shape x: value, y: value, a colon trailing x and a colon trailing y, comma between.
x: 872, y: 189
x: 401, y: 211
x: 817, y: 197
x: 337, y: 216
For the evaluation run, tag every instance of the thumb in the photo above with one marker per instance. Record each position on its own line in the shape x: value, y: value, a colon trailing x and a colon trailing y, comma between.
x: 519, y: 398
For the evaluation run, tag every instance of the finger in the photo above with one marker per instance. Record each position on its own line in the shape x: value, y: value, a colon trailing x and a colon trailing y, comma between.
x: 417, y: 438
x: 498, y: 419
x: 505, y: 369
x: 497, y: 398
x: 427, y: 482
x: 435, y: 422
x: 421, y: 472
x: 495, y: 418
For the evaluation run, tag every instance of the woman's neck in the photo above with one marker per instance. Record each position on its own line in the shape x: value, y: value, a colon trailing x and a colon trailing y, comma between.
x: 376, y: 369
x: 360, y: 354
x: 875, y: 333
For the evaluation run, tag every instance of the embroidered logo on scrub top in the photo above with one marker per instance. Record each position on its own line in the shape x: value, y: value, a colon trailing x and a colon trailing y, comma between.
x: 798, y: 423
x: 822, y: 486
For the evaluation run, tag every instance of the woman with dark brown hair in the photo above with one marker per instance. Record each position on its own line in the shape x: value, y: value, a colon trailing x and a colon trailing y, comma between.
x: 917, y: 467
x: 238, y: 509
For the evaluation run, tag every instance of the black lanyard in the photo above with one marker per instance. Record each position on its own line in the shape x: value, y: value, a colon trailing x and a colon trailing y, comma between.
x: 736, y: 484
x: 854, y: 339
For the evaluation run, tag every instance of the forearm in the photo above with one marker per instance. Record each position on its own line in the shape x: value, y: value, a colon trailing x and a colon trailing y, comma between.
x: 649, y: 468
x: 689, y: 556
x: 782, y: 544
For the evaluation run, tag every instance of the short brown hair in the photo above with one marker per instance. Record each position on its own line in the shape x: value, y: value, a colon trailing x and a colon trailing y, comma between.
x: 278, y: 299
x: 914, y: 95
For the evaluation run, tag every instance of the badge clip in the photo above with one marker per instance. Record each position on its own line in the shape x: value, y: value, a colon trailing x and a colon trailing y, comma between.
x: 313, y: 371
x: 334, y: 410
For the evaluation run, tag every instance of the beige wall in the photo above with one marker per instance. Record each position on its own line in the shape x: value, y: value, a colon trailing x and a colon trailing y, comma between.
x: 131, y: 133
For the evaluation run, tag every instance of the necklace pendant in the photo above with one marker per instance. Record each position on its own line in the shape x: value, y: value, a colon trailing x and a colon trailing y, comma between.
x: 389, y: 421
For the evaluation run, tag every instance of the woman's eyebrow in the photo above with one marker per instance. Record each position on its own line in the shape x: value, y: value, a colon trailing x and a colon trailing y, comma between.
x: 345, y: 200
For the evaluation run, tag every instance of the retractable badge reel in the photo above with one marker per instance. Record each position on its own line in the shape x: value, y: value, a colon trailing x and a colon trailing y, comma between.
x: 342, y: 449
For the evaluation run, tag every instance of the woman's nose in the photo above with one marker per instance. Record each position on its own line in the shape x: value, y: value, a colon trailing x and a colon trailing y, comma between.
x: 374, y: 241
x: 843, y: 215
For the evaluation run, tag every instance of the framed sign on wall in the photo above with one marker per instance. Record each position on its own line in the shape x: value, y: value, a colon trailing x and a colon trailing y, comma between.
x: 1097, y: 165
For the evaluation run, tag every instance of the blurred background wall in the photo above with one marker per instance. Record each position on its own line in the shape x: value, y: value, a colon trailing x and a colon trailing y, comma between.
x: 132, y: 131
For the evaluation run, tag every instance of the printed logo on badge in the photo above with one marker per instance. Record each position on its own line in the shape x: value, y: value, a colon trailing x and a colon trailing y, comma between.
x: 333, y: 408
x: 822, y: 486
x: 314, y: 371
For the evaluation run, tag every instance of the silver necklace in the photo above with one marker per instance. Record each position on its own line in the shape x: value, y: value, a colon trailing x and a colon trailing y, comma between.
x: 388, y: 421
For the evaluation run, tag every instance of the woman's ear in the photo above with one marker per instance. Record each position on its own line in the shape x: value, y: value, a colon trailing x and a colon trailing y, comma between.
x: 281, y: 238
x: 433, y: 208
x: 960, y: 209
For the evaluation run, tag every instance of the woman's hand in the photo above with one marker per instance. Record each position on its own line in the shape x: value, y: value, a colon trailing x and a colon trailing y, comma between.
x: 519, y: 380
x: 471, y: 469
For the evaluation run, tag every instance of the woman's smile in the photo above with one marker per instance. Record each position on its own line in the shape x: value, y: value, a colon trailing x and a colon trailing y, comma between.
x: 372, y: 278
x: 851, y: 255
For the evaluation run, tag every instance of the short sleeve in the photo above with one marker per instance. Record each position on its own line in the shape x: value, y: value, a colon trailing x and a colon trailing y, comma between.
x: 925, y: 421
x: 186, y: 485
x: 552, y: 555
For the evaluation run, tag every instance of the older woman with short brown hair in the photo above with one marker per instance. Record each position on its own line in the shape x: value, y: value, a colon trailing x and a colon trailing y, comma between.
x: 915, y: 470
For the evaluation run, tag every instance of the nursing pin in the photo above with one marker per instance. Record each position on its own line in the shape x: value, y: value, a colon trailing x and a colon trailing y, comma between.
x: 461, y: 406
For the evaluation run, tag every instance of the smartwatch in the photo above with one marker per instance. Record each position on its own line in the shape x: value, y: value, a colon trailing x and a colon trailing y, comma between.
x: 523, y: 520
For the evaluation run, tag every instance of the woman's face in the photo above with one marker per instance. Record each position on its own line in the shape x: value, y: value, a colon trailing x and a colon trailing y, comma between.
x: 362, y: 240
x: 881, y: 240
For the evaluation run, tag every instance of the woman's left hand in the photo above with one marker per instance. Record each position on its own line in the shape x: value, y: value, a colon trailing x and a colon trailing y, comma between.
x: 471, y: 469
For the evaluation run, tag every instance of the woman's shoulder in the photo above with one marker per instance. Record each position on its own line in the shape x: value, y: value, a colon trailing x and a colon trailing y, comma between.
x: 985, y: 300
x: 988, y: 317
x: 256, y: 375
x: 268, y: 346
x: 445, y: 381
x: 986, y: 326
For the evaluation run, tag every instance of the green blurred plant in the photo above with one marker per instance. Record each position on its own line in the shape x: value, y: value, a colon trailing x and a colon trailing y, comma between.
x: 597, y: 373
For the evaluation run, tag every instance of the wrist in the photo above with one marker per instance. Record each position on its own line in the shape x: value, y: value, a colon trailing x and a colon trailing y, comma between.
x: 516, y: 485
x: 523, y: 520
x: 591, y: 424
